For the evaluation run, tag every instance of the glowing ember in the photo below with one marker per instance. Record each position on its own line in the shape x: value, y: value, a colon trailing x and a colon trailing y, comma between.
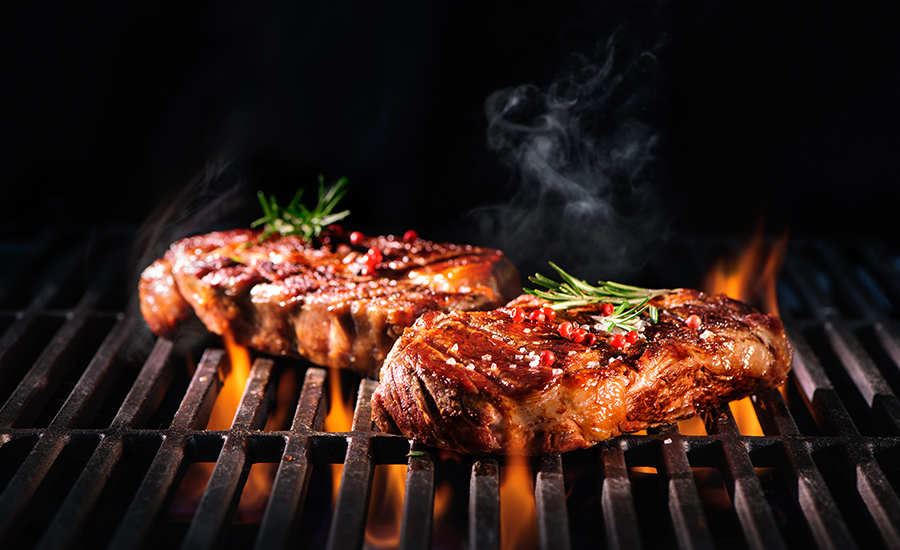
x: 751, y: 278
x: 518, y: 519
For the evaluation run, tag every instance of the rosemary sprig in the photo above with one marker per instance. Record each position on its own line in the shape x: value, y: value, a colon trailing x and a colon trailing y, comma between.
x: 297, y: 219
x: 629, y: 301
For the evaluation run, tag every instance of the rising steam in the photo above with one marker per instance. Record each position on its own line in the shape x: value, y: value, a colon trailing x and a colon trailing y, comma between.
x: 582, y: 159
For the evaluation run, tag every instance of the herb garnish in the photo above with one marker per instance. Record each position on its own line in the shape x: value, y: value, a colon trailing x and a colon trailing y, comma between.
x: 297, y: 219
x: 629, y: 301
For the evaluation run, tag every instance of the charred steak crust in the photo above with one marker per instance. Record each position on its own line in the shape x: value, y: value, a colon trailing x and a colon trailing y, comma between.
x: 474, y: 382
x: 288, y: 297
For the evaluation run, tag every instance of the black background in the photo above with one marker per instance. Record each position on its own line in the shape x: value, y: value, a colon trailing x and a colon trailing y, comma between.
x: 786, y: 110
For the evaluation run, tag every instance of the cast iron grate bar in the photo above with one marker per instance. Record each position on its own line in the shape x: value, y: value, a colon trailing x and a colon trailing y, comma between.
x: 852, y: 354
x: 807, y: 485
x: 81, y: 500
x: 348, y: 522
x: 418, y: 502
x: 617, y: 502
x: 881, y: 501
x: 292, y: 478
x: 38, y: 384
x: 685, y: 507
x: 756, y: 519
x: 30, y: 476
x: 832, y: 443
x: 144, y: 512
x: 484, y: 505
x: 550, y: 502
x: 220, y: 499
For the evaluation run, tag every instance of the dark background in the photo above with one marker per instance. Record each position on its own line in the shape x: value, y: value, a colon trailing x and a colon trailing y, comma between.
x: 782, y: 109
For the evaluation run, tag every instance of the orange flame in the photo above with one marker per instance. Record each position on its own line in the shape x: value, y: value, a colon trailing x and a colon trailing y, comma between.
x: 751, y: 278
x: 692, y: 426
x: 235, y: 381
x: 518, y: 519
x: 339, y: 419
x: 259, y: 481
x: 447, y: 533
x: 386, y: 507
x: 443, y: 493
x: 340, y: 414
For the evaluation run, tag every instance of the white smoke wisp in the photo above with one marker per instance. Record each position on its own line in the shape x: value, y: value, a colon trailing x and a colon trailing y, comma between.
x: 583, y: 165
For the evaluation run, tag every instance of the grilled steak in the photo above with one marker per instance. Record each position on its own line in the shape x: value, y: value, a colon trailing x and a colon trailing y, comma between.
x: 482, y: 382
x: 321, y: 301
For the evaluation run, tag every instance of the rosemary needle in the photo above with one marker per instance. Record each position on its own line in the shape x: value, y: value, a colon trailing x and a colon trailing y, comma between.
x: 296, y: 218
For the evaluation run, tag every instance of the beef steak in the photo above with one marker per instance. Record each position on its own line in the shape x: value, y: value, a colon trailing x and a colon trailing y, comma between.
x: 319, y: 300
x: 482, y: 382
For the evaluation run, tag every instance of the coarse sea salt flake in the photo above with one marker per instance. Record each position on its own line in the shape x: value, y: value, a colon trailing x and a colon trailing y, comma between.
x: 534, y: 363
x: 486, y: 357
x: 706, y: 334
x: 455, y: 348
x: 557, y: 371
x: 593, y: 364
x: 451, y: 361
x: 527, y: 331
x: 470, y: 366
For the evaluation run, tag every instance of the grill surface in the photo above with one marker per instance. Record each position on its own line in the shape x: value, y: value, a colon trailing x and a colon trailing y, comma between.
x: 100, y: 421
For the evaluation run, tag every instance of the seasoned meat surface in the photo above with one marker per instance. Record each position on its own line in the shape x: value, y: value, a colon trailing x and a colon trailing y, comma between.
x: 319, y: 301
x: 481, y: 382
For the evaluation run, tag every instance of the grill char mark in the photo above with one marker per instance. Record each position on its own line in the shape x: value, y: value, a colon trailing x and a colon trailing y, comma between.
x: 287, y: 297
x: 493, y: 395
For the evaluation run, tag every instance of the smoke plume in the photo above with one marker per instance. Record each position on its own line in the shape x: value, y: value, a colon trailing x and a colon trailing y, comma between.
x: 582, y: 157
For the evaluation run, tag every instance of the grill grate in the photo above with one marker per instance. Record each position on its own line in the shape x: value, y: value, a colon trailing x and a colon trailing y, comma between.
x: 100, y: 423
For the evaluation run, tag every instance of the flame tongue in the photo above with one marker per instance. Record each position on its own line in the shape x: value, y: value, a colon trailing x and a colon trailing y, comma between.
x: 518, y: 519
x: 339, y: 419
x: 233, y: 388
x: 750, y: 278
x: 259, y: 481
x: 386, y: 507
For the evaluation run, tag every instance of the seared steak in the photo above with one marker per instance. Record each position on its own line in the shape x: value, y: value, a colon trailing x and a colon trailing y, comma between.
x: 483, y: 382
x: 328, y: 301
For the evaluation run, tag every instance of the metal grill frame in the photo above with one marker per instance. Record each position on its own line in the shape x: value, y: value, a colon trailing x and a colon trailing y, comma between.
x: 798, y: 457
